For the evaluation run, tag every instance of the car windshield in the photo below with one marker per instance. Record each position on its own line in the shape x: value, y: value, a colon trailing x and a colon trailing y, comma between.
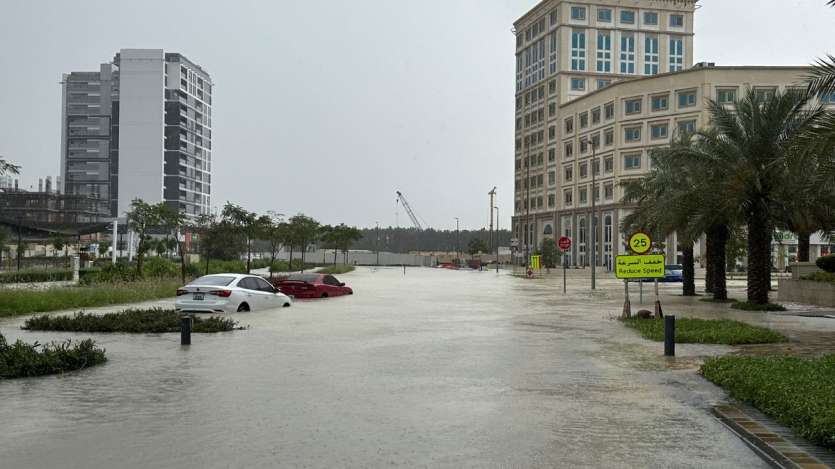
x: 303, y: 277
x: 674, y: 267
x: 213, y: 281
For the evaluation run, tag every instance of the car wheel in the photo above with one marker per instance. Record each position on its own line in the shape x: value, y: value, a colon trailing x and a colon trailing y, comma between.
x: 243, y: 308
x: 286, y: 305
x: 324, y: 295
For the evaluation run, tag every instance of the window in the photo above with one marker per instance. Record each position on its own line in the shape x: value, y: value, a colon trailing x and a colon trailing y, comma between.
x: 569, y: 125
x: 627, y: 17
x: 578, y: 84
x: 553, y: 17
x: 659, y: 131
x: 569, y: 173
x: 595, y: 140
x: 686, y: 99
x: 609, y: 137
x: 609, y: 111
x: 687, y: 127
x: 539, y: 202
x: 627, y: 53
x: 726, y: 96
x: 764, y: 94
x: 660, y: 103
x: 539, y: 181
x: 578, y: 50
x: 651, y: 18
x: 569, y: 150
x: 609, y: 165
x: 677, y: 21
x: 584, y: 196
x: 552, y: 178
x: 595, y: 116
x: 551, y: 200
x: 584, y: 146
x: 602, y: 83
x: 552, y: 87
x: 676, y: 54
x: 604, y: 15
x: 604, y: 52
x: 633, y: 106
x: 651, y: 55
x: 609, y: 191
x: 632, y: 161
x: 552, y: 154
x: 632, y: 134
x: 595, y: 167
x: 584, y: 120
x: 578, y: 13
x: 584, y: 170
x: 552, y: 56
x: 552, y: 132
x: 552, y: 109
x: 568, y: 198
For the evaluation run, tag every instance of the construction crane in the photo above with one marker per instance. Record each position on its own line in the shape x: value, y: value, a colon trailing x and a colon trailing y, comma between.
x: 402, y: 199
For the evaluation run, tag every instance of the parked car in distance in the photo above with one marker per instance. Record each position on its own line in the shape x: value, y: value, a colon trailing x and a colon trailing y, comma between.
x: 312, y: 285
x: 673, y: 273
x: 229, y: 293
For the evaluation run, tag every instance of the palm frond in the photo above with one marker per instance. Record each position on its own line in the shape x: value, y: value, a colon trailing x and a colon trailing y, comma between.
x: 822, y: 77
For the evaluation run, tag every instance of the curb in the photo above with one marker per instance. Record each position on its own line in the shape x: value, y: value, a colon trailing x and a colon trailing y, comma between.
x: 773, y: 448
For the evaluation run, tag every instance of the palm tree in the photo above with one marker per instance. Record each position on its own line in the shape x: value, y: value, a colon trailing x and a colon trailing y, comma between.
x: 6, y: 167
x: 749, y: 150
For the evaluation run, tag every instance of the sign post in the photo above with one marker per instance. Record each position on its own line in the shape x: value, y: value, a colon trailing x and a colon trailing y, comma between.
x: 639, y: 267
x: 565, y: 245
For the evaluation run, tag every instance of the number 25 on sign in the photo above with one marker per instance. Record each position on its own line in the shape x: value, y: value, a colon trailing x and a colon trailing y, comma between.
x: 640, y: 243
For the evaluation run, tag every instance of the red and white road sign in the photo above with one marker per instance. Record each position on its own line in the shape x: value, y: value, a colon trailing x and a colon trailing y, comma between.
x: 564, y: 243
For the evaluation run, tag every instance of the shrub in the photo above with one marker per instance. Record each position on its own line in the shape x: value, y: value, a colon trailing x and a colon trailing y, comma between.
x: 826, y: 263
x: 746, y: 306
x: 38, y: 276
x: 702, y: 331
x: 21, y: 360
x: 110, y: 273
x: 134, y: 321
x: 820, y: 277
x: 797, y: 392
x: 336, y: 269
x: 158, y: 267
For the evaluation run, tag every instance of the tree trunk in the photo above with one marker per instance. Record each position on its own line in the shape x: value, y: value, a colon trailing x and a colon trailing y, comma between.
x: 290, y: 265
x: 272, y: 260
x: 718, y: 235
x: 182, y: 247
x: 248, y: 255
x: 334, y: 255
x: 207, y: 260
x: 303, y: 249
x: 759, y: 260
x: 709, y: 250
x: 689, y: 287
x: 803, y: 244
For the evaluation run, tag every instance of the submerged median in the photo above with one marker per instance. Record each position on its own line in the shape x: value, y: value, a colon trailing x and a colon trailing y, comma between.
x: 22, y: 360
x: 132, y: 321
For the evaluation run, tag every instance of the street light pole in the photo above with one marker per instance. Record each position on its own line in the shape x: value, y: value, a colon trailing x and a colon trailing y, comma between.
x: 457, y: 245
x: 377, y: 244
x: 593, y: 217
x: 528, y: 193
x: 497, y: 238
x: 19, y: 240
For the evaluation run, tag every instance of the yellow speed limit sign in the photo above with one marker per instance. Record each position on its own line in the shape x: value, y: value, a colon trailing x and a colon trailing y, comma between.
x: 640, y: 243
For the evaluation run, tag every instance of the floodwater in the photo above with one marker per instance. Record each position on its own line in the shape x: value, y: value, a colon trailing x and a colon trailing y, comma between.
x: 434, y: 368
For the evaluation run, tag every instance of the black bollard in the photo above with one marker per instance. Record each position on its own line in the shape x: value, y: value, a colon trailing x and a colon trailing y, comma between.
x: 669, y: 336
x: 185, y: 330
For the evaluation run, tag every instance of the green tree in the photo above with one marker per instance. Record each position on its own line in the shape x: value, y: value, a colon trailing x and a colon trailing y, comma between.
x: 476, y: 246
x: 749, y: 149
x: 348, y: 235
x: 329, y: 239
x: 303, y: 232
x: 175, y: 223
x: 6, y: 167
x: 104, y: 246
x: 550, y: 254
x: 273, y: 229
x: 206, y: 227
x: 141, y: 218
x: 59, y: 243
x: 244, y: 224
x: 5, y: 235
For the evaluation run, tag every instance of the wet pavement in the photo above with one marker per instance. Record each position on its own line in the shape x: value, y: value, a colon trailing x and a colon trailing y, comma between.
x: 435, y: 368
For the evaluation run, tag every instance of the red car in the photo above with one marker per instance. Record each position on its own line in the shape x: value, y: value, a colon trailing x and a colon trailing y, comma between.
x: 312, y: 286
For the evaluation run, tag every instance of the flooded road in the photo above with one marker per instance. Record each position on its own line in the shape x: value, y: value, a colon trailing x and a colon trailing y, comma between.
x: 432, y: 369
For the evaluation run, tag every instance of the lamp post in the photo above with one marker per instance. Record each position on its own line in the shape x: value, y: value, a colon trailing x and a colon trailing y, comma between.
x: 527, y: 141
x: 497, y: 238
x: 593, y: 216
x: 19, y: 240
x: 457, y: 241
x: 377, y: 244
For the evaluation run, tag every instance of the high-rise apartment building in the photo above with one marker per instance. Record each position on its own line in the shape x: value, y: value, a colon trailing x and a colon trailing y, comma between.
x: 140, y: 127
x: 599, y: 84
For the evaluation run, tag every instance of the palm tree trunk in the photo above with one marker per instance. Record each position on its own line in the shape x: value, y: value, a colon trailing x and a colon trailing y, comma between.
x: 803, y: 244
x: 718, y: 235
x: 709, y: 250
x: 334, y: 255
x: 689, y: 287
x: 759, y: 260
x: 248, y: 255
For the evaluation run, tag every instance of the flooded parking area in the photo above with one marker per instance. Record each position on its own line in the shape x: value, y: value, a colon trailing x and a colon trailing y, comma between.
x: 434, y: 368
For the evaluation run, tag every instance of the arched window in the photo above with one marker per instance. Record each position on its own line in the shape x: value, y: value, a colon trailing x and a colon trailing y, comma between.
x: 548, y: 230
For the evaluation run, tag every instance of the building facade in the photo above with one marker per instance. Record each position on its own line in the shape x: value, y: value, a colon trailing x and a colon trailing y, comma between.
x: 599, y: 84
x: 140, y: 127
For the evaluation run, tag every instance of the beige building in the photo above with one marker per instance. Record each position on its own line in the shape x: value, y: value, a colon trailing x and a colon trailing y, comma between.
x: 616, y: 75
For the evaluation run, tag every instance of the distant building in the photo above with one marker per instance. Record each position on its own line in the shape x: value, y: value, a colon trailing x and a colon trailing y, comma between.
x: 50, y: 210
x: 139, y: 127
x: 599, y: 84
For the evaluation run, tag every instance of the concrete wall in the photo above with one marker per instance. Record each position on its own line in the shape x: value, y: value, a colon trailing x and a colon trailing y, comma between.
x: 807, y: 291
x: 141, y: 126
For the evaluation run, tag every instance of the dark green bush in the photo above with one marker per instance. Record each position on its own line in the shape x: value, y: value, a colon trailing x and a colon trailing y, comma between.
x: 703, y: 331
x: 158, y: 267
x: 110, y: 273
x: 746, y: 306
x: 820, y: 277
x: 37, y: 276
x: 797, y: 392
x: 826, y: 263
x: 156, y: 320
x: 21, y: 360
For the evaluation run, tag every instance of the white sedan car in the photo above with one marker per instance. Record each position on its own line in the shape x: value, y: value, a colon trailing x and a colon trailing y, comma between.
x: 229, y: 293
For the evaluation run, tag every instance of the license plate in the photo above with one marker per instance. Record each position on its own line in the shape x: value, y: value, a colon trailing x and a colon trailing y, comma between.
x: 198, y: 297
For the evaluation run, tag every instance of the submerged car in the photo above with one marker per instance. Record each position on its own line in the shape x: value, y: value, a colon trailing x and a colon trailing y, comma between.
x: 229, y: 293
x: 312, y: 286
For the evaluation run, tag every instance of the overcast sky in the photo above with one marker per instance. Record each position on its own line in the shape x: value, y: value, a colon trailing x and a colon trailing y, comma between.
x: 328, y: 107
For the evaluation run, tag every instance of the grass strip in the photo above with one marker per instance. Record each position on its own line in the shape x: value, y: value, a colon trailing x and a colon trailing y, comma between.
x: 707, y: 331
x: 133, y: 321
x: 15, y: 302
x: 336, y: 269
x: 797, y: 392
x: 22, y: 360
